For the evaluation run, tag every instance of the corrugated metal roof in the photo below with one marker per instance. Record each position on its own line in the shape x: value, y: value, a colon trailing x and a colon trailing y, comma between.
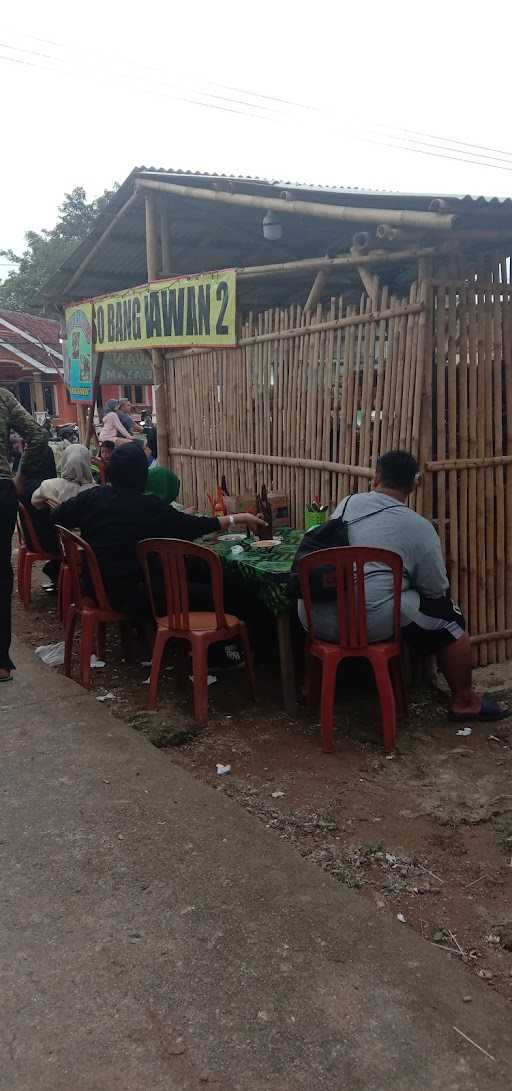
x: 315, y: 187
x: 231, y: 236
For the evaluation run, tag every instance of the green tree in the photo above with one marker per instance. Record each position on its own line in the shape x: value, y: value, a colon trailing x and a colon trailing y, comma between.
x: 47, y: 249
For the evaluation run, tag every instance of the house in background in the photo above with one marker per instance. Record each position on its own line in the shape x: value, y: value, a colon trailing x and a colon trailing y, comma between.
x: 31, y: 366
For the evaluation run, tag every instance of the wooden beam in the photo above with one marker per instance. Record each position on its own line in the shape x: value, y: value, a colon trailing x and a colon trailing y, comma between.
x: 165, y: 238
x: 157, y: 356
x: 275, y: 460
x: 369, y: 280
x: 97, y: 246
x: 468, y: 463
x: 152, y: 256
x: 92, y: 407
x: 332, y: 324
x: 306, y: 265
x: 317, y: 289
x: 429, y: 221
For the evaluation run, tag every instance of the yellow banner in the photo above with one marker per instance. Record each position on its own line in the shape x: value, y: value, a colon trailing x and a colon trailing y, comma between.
x: 196, y: 310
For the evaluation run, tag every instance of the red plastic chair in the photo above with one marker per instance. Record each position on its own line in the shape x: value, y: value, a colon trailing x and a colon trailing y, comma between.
x: 200, y: 629
x: 30, y: 553
x: 94, y: 614
x: 348, y: 565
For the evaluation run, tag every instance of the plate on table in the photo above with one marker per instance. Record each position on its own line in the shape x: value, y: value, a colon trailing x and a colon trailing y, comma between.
x: 231, y: 537
x: 267, y: 543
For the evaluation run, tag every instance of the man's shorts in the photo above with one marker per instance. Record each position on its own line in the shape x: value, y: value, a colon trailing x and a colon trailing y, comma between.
x: 432, y: 624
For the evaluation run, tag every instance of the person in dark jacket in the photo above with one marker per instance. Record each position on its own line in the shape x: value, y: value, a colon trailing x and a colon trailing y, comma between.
x: 114, y: 518
x: 13, y: 418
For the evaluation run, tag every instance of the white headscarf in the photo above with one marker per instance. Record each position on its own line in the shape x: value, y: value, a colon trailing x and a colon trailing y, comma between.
x: 76, y: 475
x: 76, y: 465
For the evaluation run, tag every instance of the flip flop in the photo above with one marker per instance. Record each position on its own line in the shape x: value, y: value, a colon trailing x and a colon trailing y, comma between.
x: 489, y: 712
x: 6, y: 678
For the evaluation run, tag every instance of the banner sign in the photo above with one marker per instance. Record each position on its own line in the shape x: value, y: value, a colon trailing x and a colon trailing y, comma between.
x: 126, y: 367
x: 78, y: 371
x: 175, y: 312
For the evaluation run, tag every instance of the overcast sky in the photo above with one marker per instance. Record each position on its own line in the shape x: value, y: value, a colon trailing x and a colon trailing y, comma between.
x: 297, y: 92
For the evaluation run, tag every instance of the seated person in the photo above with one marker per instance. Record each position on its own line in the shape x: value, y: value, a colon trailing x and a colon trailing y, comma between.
x: 431, y: 622
x: 114, y: 519
x: 41, y: 519
x: 124, y: 412
x: 75, y: 475
x: 99, y: 466
x: 163, y: 483
x: 112, y: 428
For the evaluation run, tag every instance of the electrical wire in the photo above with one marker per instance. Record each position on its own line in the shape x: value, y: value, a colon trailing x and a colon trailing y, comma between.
x: 250, y: 108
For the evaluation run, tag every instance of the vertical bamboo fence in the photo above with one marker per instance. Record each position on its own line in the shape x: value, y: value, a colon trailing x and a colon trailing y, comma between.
x: 305, y: 402
x: 309, y: 399
x: 471, y: 460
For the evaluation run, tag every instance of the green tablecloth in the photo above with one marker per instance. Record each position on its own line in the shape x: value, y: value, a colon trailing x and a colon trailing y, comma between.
x: 267, y: 573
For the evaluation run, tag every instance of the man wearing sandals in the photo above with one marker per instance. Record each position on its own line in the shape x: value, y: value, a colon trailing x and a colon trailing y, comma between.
x: 13, y: 418
x: 430, y: 621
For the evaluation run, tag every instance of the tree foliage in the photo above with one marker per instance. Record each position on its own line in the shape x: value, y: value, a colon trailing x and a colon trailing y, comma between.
x: 47, y: 249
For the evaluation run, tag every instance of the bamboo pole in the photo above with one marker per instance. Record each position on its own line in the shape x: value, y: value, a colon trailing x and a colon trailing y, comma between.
x: 94, y: 402
x: 317, y: 289
x: 165, y: 238
x: 97, y: 246
x: 480, y: 491
x: 507, y: 372
x: 274, y: 460
x: 428, y: 221
x: 440, y: 371
x: 336, y: 415
x: 498, y: 474
x: 463, y: 451
x: 468, y: 463
x: 473, y: 543
x: 157, y: 357
x: 452, y: 408
x: 422, y: 419
x: 310, y: 265
x: 490, y: 543
x: 337, y: 323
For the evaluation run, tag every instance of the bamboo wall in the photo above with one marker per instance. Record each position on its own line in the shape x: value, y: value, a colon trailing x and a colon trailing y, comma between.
x: 471, y: 464
x: 308, y: 400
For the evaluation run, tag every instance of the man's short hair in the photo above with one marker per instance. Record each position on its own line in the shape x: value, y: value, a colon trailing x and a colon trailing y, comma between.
x: 397, y: 470
x: 108, y: 443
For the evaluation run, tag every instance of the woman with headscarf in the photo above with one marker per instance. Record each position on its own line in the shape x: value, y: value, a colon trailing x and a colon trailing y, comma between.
x: 75, y: 476
x: 114, y: 519
x: 112, y: 427
x: 163, y: 483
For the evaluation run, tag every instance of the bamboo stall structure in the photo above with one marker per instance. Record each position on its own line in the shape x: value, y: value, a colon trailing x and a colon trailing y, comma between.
x: 372, y: 321
x: 312, y: 395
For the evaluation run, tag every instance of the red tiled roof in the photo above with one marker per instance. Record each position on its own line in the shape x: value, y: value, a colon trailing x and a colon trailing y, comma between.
x: 45, y: 330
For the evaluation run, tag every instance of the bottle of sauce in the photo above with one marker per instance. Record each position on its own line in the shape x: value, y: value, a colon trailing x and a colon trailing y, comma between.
x: 265, y: 511
x: 219, y: 507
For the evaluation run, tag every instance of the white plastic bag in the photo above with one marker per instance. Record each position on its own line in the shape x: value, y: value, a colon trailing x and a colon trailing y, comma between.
x: 51, y: 654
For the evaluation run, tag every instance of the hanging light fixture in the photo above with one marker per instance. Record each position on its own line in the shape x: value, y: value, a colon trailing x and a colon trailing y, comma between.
x: 272, y: 226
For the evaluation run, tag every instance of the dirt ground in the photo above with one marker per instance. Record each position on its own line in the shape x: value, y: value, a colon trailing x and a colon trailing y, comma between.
x: 425, y: 834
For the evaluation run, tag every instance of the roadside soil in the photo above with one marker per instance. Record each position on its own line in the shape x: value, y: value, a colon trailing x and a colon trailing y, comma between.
x: 425, y: 835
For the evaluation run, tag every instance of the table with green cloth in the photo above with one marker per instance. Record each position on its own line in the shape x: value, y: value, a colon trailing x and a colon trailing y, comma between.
x: 267, y: 573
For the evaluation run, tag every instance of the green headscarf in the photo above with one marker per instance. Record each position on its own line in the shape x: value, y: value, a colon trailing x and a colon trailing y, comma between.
x: 163, y: 483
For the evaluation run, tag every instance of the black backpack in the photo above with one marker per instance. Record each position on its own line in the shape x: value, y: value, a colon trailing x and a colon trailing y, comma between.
x: 329, y: 535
